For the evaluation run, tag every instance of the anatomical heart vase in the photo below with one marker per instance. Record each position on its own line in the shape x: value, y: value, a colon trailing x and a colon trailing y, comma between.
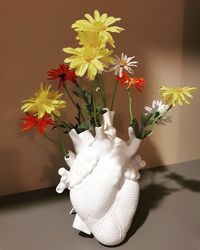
x: 103, y: 181
x: 103, y: 171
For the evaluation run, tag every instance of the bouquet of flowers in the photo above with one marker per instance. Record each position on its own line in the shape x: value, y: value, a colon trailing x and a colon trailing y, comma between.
x: 94, y: 113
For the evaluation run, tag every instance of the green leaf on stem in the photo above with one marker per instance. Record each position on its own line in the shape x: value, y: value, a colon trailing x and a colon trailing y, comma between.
x: 148, y: 133
x: 135, y: 126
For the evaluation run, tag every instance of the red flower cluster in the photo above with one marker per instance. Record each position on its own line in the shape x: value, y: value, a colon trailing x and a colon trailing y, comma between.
x: 63, y: 73
x: 31, y: 121
x: 137, y: 82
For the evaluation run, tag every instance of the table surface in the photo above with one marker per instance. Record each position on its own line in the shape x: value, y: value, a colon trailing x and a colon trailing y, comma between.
x: 167, y: 218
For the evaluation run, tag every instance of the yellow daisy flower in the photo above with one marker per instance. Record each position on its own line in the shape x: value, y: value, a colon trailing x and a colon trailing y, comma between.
x: 100, y: 24
x: 88, y: 59
x: 91, y: 39
x: 177, y: 95
x: 45, y: 101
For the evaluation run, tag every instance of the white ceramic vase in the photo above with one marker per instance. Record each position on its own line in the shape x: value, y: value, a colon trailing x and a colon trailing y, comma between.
x: 103, y: 181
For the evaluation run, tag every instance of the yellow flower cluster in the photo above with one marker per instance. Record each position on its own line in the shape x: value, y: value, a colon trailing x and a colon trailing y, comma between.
x: 46, y: 101
x: 93, y: 35
x: 177, y: 95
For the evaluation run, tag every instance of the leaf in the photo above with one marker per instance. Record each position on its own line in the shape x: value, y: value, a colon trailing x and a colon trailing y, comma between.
x: 61, y: 126
x: 135, y: 126
x: 157, y: 114
x: 142, y: 133
x: 148, y: 133
x: 143, y: 118
x: 84, y: 125
x: 78, y: 93
x: 146, y: 119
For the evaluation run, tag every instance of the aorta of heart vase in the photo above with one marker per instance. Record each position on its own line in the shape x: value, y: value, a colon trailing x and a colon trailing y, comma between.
x: 103, y: 181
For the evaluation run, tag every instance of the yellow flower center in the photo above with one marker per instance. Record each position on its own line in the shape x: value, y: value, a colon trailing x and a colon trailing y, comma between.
x: 122, y: 63
x: 41, y: 97
x: 178, y: 90
x: 99, y: 26
x: 89, y: 54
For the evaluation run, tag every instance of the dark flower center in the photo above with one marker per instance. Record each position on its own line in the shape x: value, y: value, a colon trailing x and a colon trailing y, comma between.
x: 62, y: 76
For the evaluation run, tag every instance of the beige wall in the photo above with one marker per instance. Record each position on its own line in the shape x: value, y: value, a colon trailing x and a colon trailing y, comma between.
x: 164, y: 36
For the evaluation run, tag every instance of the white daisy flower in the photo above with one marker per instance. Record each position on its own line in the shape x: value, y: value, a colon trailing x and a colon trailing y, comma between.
x: 123, y: 63
x: 158, y: 107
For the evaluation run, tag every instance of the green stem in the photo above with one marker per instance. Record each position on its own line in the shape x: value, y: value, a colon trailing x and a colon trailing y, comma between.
x: 114, y: 94
x: 50, y: 139
x: 65, y: 152
x: 101, y: 101
x: 130, y: 105
x: 94, y: 104
x: 87, y: 101
x: 72, y: 100
x: 158, y: 117
x: 102, y: 90
x: 58, y: 144
x: 60, y: 120
x: 77, y: 85
x: 69, y: 95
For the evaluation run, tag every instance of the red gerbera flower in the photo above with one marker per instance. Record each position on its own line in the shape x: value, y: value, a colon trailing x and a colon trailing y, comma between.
x: 124, y: 78
x: 137, y: 82
x: 63, y: 73
x: 31, y: 121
